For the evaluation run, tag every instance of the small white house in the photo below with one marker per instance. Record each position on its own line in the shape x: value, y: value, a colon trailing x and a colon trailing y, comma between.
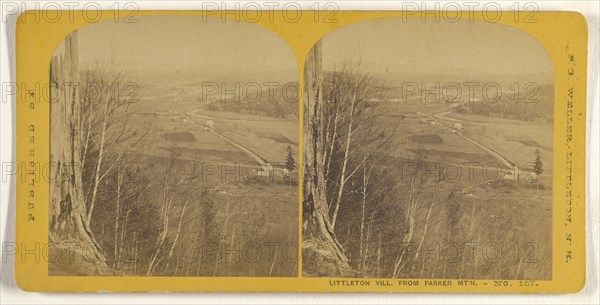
x: 458, y: 126
x: 265, y: 170
x: 210, y: 124
x: 511, y: 174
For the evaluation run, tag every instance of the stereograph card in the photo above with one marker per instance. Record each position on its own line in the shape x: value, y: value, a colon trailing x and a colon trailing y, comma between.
x: 342, y: 151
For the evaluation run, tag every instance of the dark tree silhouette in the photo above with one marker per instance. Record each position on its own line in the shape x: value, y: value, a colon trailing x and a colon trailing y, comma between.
x: 290, y: 163
x: 538, y: 165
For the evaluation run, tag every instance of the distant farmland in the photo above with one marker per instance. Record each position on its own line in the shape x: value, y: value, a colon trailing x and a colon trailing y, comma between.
x: 429, y: 138
x: 179, y: 136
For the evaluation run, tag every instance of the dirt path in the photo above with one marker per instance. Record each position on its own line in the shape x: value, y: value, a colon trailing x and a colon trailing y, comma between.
x: 488, y: 150
x: 253, y: 155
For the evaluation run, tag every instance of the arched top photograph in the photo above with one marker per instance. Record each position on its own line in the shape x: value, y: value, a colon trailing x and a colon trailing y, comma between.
x: 175, y: 123
x: 420, y: 135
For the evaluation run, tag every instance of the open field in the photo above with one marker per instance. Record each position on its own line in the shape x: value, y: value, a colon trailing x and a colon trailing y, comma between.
x: 416, y: 133
x: 432, y: 131
x: 269, y: 138
x: 516, y: 140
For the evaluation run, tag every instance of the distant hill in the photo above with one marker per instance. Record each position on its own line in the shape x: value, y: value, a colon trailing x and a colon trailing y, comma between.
x: 277, y: 102
x: 412, y: 73
x: 539, y: 106
x: 196, y: 78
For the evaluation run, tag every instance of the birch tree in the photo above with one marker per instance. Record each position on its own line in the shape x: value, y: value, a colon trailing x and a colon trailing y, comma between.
x: 166, y: 204
x: 106, y: 134
x: 68, y: 221
x: 352, y: 133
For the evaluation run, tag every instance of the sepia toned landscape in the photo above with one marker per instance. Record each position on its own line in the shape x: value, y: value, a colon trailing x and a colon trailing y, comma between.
x: 177, y: 153
x: 428, y: 152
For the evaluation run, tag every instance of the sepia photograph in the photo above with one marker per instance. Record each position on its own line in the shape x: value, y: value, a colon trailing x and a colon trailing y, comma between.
x: 174, y: 145
x: 299, y: 151
x: 428, y: 151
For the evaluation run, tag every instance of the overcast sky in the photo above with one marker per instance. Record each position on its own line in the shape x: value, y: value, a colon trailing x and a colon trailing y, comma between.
x: 433, y: 47
x: 185, y: 43
x: 192, y: 42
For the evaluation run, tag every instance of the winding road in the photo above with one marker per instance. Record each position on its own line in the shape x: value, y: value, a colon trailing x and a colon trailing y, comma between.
x: 254, y: 156
x: 442, y: 121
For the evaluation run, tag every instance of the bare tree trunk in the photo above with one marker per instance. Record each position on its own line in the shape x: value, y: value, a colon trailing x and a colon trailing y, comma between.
x: 100, y: 159
x: 87, y: 140
x: 124, y: 229
x: 378, y: 274
x: 410, y: 223
x: 331, y: 140
x: 222, y: 237
x: 117, y: 219
x: 342, y: 182
x: 135, y: 254
x: 189, y: 264
x: 316, y: 211
x: 181, y: 215
x: 190, y: 186
x: 274, y: 260
x: 462, y: 261
x: 165, y: 209
x: 232, y: 243
x: 363, y: 207
x: 67, y: 206
x: 425, y: 229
